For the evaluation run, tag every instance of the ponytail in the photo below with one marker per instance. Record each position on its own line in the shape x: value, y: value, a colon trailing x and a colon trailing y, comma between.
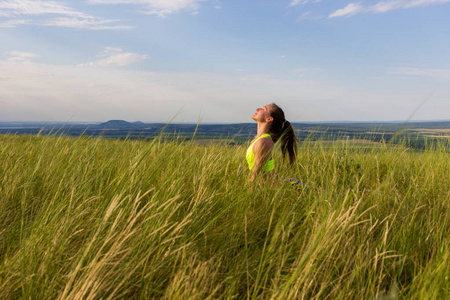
x: 288, y: 142
x: 282, y: 129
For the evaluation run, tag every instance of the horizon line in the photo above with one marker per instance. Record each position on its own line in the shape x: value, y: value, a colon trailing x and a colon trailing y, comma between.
x: 219, y: 123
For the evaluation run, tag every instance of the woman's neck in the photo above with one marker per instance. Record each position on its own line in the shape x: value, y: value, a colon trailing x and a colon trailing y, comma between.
x: 263, y: 128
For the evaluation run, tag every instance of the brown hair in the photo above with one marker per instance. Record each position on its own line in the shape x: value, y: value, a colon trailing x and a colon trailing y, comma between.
x: 282, y: 129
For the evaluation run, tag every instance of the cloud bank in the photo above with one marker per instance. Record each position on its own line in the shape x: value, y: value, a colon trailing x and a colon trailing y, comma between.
x: 51, y: 13
x: 302, y: 2
x: 59, y: 14
x: 32, y: 91
x: 115, y: 57
x: 383, y: 6
x: 158, y: 7
x: 20, y: 56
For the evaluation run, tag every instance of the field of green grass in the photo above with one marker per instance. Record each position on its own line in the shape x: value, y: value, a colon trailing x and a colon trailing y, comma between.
x: 88, y: 218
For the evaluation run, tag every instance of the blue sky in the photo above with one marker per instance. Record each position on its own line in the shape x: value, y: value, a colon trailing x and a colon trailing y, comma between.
x: 216, y: 61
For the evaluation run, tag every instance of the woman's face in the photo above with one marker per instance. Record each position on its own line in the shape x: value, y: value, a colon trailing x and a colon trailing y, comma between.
x: 263, y: 114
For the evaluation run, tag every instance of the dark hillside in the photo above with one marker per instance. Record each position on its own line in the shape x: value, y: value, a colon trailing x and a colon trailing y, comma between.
x: 116, y: 124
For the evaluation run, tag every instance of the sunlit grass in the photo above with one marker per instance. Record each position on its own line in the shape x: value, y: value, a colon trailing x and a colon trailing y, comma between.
x: 88, y: 218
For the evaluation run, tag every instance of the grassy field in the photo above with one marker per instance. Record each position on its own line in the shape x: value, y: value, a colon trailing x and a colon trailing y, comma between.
x: 88, y: 218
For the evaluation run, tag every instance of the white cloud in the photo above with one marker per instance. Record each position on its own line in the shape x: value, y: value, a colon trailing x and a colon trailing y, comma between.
x: 14, y: 23
x: 307, y: 14
x: 12, y: 8
x: 297, y: 2
x: 415, y: 3
x: 348, y: 11
x: 383, y: 6
x: 115, y: 57
x: 43, y: 13
x: 426, y: 2
x: 82, y: 23
x: 158, y: 7
x: 303, y: 16
x: 59, y: 14
x: 20, y: 56
x: 302, y: 2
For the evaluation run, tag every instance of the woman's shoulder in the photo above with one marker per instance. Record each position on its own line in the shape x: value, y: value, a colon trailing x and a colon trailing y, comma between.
x: 264, y: 142
x: 267, y: 137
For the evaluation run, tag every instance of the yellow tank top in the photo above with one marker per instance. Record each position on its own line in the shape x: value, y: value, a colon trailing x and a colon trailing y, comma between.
x: 250, y: 156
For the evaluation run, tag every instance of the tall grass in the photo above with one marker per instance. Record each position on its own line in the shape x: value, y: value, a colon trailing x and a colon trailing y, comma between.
x: 88, y: 218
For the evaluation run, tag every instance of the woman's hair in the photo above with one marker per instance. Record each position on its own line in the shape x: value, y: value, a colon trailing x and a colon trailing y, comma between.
x: 282, y: 129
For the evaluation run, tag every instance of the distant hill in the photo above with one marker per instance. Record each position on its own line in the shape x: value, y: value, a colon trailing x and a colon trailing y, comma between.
x: 117, y: 124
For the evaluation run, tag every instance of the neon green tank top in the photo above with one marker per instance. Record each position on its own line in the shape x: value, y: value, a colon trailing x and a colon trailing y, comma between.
x: 250, y: 156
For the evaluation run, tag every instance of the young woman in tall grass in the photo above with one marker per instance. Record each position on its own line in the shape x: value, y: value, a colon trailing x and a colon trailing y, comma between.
x: 272, y: 127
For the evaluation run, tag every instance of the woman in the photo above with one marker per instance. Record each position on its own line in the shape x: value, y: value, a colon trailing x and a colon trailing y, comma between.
x: 272, y: 127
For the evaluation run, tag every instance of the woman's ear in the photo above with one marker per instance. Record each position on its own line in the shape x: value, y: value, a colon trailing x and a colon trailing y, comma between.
x: 269, y: 119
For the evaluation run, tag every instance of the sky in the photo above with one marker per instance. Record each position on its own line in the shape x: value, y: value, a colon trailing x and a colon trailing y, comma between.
x: 216, y: 61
